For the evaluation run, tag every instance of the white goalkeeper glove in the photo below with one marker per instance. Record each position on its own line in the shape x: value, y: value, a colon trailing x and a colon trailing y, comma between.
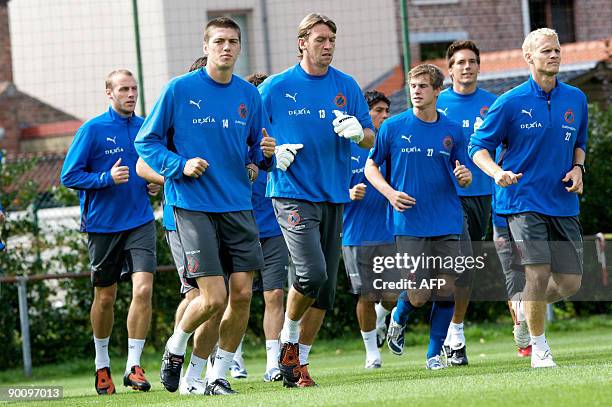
x: 348, y: 127
x: 285, y: 154
x: 477, y: 123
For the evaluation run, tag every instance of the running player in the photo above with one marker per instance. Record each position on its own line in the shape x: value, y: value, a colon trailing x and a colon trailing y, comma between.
x: 543, y: 126
x: 366, y: 234
x: 117, y: 216
x: 213, y: 115
x: 424, y: 150
x: 465, y: 103
x: 323, y: 109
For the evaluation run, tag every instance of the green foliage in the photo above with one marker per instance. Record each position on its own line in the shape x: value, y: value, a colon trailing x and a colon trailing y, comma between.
x: 596, y: 211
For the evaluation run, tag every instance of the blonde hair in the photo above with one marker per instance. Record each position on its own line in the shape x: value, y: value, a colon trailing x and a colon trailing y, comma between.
x: 111, y: 76
x: 310, y: 21
x: 534, y: 36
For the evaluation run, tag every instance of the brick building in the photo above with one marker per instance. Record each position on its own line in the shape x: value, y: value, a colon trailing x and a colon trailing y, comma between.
x: 500, y: 25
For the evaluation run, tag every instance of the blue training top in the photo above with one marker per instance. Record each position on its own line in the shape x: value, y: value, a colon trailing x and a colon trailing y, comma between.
x: 212, y: 121
x: 466, y: 110
x: 540, y: 132
x: 97, y: 145
x: 422, y: 158
x: 301, y: 111
x: 365, y: 222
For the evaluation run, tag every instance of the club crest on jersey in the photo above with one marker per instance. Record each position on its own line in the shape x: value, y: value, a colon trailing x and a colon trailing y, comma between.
x: 243, y: 111
x: 569, y: 116
x: 447, y: 142
x: 340, y: 100
x: 484, y: 110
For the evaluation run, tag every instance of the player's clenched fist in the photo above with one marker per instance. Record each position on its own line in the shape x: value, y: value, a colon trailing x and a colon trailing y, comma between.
x: 357, y: 193
x: 120, y: 173
x: 268, y: 144
x: 506, y: 178
x: 195, y: 167
x: 401, y: 200
x: 462, y: 174
x: 348, y: 127
x: 285, y: 154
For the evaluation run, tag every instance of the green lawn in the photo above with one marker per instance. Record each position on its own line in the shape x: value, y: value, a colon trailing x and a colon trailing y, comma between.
x: 495, y: 377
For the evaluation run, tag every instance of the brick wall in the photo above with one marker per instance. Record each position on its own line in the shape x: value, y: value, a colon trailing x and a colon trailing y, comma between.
x: 593, y: 19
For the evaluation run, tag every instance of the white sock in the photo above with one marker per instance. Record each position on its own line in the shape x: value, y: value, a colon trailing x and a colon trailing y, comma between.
x: 304, y: 351
x: 381, y: 314
x: 135, y: 347
x: 177, y: 344
x: 457, y: 338
x: 519, y: 309
x: 102, y: 358
x: 291, y: 331
x: 223, y: 361
x: 539, y: 342
x: 196, y: 365
x: 447, y: 340
x: 369, y: 340
x: 272, y: 351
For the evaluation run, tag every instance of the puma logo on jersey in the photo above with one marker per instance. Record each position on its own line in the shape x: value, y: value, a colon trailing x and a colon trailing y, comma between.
x: 291, y: 96
x: 408, y: 138
x: 355, y: 159
x: 528, y: 113
x: 112, y: 140
x: 443, y: 111
x: 197, y: 104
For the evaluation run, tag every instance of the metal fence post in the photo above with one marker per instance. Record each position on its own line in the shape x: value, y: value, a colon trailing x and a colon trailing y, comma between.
x: 22, y: 292
x: 550, y: 313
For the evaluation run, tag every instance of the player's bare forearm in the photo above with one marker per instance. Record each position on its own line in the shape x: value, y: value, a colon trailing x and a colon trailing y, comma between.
x: 483, y: 160
x: 147, y: 173
x: 373, y: 174
x: 579, y: 156
x: 368, y: 139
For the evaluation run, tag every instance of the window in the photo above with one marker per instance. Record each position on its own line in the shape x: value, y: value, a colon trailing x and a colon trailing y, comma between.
x: 556, y: 14
x: 243, y: 65
x: 434, y: 50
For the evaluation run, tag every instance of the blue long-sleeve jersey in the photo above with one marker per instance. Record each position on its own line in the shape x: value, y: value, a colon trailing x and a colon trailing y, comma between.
x: 301, y: 111
x: 212, y: 121
x: 97, y: 145
x: 540, y: 132
x: 466, y: 110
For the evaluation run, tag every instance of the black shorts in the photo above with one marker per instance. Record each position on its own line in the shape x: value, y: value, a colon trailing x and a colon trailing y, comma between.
x: 208, y: 238
x: 276, y: 260
x: 476, y: 215
x: 115, y: 256
x: 554, y: 240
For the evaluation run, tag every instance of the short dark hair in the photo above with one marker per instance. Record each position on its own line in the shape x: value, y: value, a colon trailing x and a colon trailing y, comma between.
x: 256, y: 78
x: 198, y: 63
x: 458, y: 46
x: 436, y: 77
x: 374, y: 96
x: 221, y: 22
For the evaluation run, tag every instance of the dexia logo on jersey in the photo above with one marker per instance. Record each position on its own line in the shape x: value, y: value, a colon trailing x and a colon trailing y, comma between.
x: 204, y: 120
x: 411, y: 150
x: 299, y: 112
x: 113, y: 151
x: 533, y: 125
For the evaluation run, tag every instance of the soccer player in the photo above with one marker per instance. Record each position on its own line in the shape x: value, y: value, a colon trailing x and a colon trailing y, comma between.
x: 366, y: 235
x: 322, y: 109
x: 465, y: 103
x: 543, y: 126
x: 213, y: 116
x: 118, y: 218
x: 424, y: 150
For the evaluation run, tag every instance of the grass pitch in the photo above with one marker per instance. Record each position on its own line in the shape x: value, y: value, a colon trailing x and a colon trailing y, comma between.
x: 495, y: 377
